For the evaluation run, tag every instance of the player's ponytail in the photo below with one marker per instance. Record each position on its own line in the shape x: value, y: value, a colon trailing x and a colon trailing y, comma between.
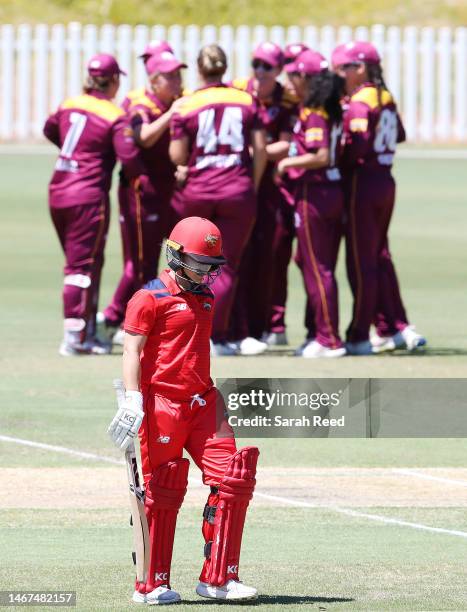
x: 325, y: 91
x: 212, y: 62
x: 375, y: 76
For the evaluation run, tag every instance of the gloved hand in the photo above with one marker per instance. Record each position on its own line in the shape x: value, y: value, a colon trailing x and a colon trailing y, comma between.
x: 126, y: 423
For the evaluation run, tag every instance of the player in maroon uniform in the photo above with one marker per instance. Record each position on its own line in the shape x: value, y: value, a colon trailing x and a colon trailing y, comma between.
x: 372, y: 129
x: 318, y: 196
x: 145, y: 201
x: 278, y: 110
x: 211, y: 133
x: 169, y: 392
x: 91, y: 132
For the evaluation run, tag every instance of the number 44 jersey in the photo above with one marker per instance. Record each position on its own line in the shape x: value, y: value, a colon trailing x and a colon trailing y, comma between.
x: 217, y: 121
x: 91, y: 133
x: 372, y: 128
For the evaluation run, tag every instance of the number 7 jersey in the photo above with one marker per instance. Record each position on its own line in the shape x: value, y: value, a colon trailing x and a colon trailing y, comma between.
x: 372, y: 128
x: 218, y: 121
x: 91, y: 132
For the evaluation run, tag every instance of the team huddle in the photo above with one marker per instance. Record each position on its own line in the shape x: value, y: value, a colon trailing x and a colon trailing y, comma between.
x: 266, y: 162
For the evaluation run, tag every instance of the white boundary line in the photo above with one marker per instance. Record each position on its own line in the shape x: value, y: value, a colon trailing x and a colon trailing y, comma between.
x: 415, y: 474
x: 291, y: 502
x: 432, y: 153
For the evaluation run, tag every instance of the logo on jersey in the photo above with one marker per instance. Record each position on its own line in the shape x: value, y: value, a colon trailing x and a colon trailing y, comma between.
x: 232, y: 569
x: 160, y: 576
x: 211, y: 239
x: 182, y: 306
x: 207, y: 306
x: 163, y: 439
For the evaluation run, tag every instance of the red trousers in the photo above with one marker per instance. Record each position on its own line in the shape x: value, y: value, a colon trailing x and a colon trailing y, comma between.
x: 169, y: 427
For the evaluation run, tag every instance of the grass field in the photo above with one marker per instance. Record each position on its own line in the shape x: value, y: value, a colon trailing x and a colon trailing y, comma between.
x: 335, y: 525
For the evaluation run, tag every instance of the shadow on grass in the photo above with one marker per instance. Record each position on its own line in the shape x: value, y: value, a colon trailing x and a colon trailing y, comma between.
x: 275, y: 600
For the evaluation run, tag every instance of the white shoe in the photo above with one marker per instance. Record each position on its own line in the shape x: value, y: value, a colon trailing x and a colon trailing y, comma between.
x: 162, y: 595
x: 223, y: 349
x: 275, y: 338
x: 113, y: 334
x: 232, y: 589
x: 381, y: 344
x: 299, y: 351
x: 119, y: 337
x: 411, y: 338
x: 249, y: 346
x: 138, y: 597
x: 359, y: 348
x: 315, y: 350
x: 90, y: 347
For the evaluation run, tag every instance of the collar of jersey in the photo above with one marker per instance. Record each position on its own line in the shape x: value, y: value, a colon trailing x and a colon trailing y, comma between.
x: 209, y: 85
x: 170, y: 283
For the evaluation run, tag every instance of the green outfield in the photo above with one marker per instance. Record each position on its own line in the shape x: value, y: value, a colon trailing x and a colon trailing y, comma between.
x: 336, y: 525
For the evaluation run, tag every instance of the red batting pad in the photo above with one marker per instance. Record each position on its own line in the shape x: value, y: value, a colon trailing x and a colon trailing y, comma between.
x: 235, y: 492
x: 164, y: 496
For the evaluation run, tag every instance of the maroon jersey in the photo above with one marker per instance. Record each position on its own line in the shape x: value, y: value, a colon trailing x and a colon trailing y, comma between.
x: 91, y: 132
x: 217, y: 120
x: 372, y: 128
x: 314, y: 130
x: 146, y: 108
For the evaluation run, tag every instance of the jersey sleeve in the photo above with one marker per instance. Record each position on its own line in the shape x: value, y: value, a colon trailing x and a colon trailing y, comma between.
x: 177, y: 127
x: 357, y: 133
x: 51, y: 129
x: 316, y: 132
x: 141, y: 313
x: 125, y: 147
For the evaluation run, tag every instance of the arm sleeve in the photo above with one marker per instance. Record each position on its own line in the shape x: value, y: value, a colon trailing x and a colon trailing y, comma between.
x: 177, y: 127
x: 125, y: 148
x: 357, y: 133
x: 51, y: 130
x: 141, y: 313
x: 316, y: 132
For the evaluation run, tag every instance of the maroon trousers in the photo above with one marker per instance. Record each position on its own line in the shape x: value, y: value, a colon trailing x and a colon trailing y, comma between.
x: 82, y: 231
x: 235, y: 219
x: 370, y: 198
x: 144, y: 216
x: 320, y: 210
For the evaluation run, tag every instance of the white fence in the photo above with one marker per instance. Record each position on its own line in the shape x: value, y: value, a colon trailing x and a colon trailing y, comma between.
x: 426, y: 68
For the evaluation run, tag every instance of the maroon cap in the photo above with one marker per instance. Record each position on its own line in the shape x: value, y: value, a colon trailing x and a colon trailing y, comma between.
x: 293, y: 50
x: 270, y: 53
x: 155, y: 46
x: 308, y: 62
x: 165, y: 61
x: 104, y: 65
x: 355, y: 52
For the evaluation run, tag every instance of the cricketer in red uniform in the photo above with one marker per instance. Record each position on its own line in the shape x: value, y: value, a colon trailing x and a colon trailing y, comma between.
x: 372, y: 129
x: 145, y: 201
x: 313, y: 158
x: 211, y: 133
x: 91, y: 133
x: 278, y: 112
x: 167, y: 356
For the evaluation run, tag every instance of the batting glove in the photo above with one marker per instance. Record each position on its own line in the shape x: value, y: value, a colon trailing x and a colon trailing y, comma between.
x: 127, y: 421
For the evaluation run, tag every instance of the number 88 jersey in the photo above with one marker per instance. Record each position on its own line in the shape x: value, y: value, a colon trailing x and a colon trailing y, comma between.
x: 372, y: 128
x: 218, y: 121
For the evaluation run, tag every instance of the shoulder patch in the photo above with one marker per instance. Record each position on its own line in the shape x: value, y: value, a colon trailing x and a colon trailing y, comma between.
x: 307, y: 111
x: 157, y: 288
x: 369, y: 96
x: 135, y: 93
x: 105, y: 109
x: 215, y: 95
x: 144, y: 100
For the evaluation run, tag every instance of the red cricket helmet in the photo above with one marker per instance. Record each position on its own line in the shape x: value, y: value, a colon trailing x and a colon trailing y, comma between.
x: 199, y: 238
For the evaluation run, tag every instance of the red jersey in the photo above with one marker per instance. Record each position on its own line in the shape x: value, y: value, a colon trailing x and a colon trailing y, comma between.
x: 314, y: 130
x: 91, y: 132
x: 176, y: 357
x: 372, y: 128
x: 218, y: 121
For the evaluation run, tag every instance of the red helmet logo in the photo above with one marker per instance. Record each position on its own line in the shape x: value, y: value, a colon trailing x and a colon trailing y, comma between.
x: 211, y: 239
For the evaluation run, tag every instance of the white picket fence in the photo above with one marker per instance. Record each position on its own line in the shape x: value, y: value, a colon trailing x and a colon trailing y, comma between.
x: 426, y: 68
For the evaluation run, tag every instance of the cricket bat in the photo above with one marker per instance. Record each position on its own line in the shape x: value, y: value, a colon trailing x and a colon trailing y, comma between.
x: 138, y: 516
